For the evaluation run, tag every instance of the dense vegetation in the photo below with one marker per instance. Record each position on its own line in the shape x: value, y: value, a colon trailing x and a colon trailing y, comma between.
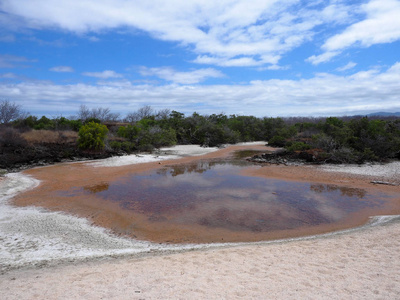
x: 336, y: 140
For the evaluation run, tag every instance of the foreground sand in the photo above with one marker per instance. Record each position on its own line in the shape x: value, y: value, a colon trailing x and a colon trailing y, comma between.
x: 361, y: 265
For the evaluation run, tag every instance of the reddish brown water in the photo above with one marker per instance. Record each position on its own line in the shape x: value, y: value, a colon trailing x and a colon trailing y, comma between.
x: 206, y: 196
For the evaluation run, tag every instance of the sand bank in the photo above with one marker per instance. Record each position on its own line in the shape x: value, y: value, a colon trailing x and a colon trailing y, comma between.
x: 358, y: 264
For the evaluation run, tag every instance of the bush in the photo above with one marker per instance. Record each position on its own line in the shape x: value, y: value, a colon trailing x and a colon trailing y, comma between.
x: 298, y: 146
x: 11, y: 137
x: 344, y: 155
x: 277, y: 141
x: 90, y: 120
x: 115, y: 145
x: 92, y: 136
x: 129, y: 132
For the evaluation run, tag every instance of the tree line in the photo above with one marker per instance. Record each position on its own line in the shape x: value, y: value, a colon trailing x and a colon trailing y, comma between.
x: 334, y: 139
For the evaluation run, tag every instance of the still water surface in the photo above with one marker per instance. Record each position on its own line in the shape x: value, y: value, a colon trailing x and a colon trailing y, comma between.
x: 209, y: 195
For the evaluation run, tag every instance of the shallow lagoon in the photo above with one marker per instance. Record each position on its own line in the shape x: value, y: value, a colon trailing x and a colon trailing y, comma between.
x: 211, y: 201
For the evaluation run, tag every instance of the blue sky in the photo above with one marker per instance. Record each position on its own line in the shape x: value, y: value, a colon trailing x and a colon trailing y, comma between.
x: 261, y: 58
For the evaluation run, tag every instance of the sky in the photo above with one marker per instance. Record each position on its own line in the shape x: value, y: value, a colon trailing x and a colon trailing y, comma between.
x: 265, y: 58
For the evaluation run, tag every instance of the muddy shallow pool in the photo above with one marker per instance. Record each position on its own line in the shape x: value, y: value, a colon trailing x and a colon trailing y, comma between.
x: 210, y: 201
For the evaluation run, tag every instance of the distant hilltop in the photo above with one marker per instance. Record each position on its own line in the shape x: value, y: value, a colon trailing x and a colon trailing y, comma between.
x: 385, y: 114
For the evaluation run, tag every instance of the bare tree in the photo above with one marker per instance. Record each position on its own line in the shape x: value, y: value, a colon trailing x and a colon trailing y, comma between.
x: 9, y: 112
x: 142, y: 113
x: 102, y: 113
x: 84, y: 112
x: 163, y: 114
x: 145, y: 112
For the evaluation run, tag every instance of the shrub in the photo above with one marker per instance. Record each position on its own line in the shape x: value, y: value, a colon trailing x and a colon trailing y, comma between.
x: 344, y: 155
x: 92, y: 136
x: 298, y: 146
x: 129, y: 132
x: 115, y: 145
x: 325, y: 142
x: 125, y: 146
x: 44, y: 123
x: 10, y: 137
x: 277, y: 141
x: 94, y: 120
x: 146, y: 148
x: 128, y: 146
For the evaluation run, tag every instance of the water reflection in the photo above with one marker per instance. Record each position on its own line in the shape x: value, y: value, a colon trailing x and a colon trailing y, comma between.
x: 213, y: 194
x: 344, y: 191
x: 101, y: 187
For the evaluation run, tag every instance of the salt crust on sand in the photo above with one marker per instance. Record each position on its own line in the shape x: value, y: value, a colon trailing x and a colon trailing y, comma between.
x: 165, y: 153
x: 358, y: 263
x: 389, y: 170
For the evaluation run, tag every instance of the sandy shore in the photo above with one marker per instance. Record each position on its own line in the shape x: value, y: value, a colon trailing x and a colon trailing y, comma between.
x: 356, y: 264
x: 361, y: 265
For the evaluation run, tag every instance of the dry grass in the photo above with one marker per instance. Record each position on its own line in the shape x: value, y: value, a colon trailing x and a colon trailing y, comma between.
x: 50, y: 136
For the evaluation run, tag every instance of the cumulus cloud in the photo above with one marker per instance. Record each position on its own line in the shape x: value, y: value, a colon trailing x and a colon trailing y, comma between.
x: 62, y: 69
x: 169, y: 74
x: 103, y: 75
x: 324, y: 94
x: 225, y: 33
x: 381, y: 25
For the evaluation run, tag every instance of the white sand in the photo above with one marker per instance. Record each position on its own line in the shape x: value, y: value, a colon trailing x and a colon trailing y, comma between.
x: 163, y: 154
x: 355, y: 264
x: 363, y: 265
x: 389, y: 172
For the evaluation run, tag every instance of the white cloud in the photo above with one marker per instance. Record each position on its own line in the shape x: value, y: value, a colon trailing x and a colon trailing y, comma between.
x: 349, y: 66
x: 381, y: 25
x: 325, y: 94
x: 169, y: 74
x: 317, y: 59
x: 224, y: 33
x: 103, y: 75
x: 13, y: 61
x: 8, y: 75
x: 62, y: 69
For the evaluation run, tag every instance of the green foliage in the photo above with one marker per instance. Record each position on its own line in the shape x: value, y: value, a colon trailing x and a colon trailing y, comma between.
x: 126, y: 146
x: 94, y: 120
x: 277, y: 141
x: 344, y: 139
x: 156, y: 137
x: 297, y: 146
x: 65, y: 124
x: 92, y: 136
x: 44, y: 123
x: 130, y: 132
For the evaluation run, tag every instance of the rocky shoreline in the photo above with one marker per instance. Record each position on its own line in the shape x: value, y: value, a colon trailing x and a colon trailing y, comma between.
x: 282, y: 157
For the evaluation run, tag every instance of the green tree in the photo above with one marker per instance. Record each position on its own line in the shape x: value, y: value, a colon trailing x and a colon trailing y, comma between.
x: 92, y: 136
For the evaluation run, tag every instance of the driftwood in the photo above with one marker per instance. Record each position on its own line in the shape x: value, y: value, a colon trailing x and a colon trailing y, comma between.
x: 382, y: 182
